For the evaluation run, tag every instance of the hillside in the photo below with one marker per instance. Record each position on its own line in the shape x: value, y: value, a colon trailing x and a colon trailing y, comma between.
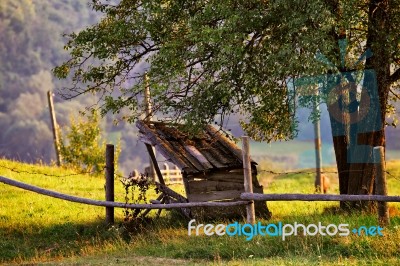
x: 31, y: 45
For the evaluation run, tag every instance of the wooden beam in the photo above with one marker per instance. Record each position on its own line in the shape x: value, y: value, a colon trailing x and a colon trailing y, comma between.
x: 116, y: 204
x: 155, y: 164
x: 215, y: 195
x: 248, y: 182
x: 110, y: 182
x: 149, y: 115
x: 166, y: 190
x: 185, y: 180
x: 227, y: 143
x: 205, y: 164
x: 160, y: 197
x: 54, y: 127
x: 317, y: 197
x: 204, y: 186
x: 161, y: 146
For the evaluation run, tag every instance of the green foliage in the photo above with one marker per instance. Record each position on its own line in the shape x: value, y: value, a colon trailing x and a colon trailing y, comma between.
x: 83, y: 148
x: 208, y: 59
x: 211, y: 59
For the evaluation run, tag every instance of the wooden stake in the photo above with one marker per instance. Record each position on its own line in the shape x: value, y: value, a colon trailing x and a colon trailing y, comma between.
x: 54, y: 127
x: 153, y: 160
x: 319, y: 181
x: 248, y: 182
x: 110, y: 182
x: 148, y: 117
x: 381, y: 185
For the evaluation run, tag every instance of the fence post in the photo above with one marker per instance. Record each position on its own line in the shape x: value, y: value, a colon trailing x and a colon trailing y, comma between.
x: 148, y: 117
x: 54, y: 127
x: 167, y: 173
x: 248, y: 182
x: 319, y: 181
x: 381, y: 185
x: 109, y: 182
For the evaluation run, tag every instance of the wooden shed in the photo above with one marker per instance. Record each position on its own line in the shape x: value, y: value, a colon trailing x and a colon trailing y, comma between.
x: 210, y: 162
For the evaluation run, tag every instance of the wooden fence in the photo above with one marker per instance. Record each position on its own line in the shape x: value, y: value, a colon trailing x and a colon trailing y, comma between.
x: 170, y: 175
x: 247, y: 198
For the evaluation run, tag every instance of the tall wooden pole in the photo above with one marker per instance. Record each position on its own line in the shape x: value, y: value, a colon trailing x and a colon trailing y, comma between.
x: 109, y: 182
x: 248, y: 182
x: 54, y: 127
x: 147, y: 105
x: 148, y: 119
x: 319, y: 181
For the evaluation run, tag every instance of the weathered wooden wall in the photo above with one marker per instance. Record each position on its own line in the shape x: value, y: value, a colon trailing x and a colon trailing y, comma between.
x: 222, y: 185
x: 219, y: 185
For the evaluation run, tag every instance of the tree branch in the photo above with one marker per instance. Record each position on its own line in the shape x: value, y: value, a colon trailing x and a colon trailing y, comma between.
x: 395, y: 76
x: 395, y: 94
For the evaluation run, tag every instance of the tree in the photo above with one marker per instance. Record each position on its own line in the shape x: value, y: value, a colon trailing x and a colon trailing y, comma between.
x: 83, y: 147
x: 376, y: 23
x: 209, y: 59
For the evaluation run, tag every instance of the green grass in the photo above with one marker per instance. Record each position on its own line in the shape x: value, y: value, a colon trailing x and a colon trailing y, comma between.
x: 34, y: 226
x: 41, y: 230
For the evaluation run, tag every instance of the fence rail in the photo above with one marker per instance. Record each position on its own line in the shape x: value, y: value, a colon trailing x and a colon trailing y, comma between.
x: 317, y: 197
x: 103, y: 203
x: 246, y: 198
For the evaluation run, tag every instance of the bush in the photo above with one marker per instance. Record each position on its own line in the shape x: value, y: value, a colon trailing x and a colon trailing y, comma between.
x: 83, y: 147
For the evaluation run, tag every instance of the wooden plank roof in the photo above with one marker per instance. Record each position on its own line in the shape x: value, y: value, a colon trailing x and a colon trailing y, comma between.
x: 208, y: 151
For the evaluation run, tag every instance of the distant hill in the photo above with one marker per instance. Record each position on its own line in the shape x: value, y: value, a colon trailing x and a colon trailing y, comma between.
x: 31, y: 44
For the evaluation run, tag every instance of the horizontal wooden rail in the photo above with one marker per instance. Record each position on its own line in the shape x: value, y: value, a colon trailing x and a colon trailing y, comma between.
x: 116, y: 204
x: 317, y: 197
x: 246, y: 197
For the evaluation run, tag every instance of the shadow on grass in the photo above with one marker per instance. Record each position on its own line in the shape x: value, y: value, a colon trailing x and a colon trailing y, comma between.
x: 64, y: 239
x: 37, y: 242
x: 167, y: 236
x: 175, y: 243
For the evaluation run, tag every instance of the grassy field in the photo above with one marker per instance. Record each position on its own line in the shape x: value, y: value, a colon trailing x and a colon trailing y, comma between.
x: 36, y: 229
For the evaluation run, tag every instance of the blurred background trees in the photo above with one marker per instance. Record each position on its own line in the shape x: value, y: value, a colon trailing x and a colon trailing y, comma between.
x: 31, y: 44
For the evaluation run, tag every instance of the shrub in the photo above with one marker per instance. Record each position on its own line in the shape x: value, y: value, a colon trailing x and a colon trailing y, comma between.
x: 83, y: 146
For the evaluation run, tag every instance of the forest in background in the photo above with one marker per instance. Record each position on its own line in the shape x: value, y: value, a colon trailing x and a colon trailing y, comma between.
x: 31, y: 44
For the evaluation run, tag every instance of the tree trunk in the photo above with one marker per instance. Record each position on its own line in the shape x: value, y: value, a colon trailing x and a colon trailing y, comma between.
x: 341, y: 141
x: 354, y: 149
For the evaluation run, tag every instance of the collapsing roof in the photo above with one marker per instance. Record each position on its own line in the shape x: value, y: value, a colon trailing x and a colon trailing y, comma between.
x: 208, y: 151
